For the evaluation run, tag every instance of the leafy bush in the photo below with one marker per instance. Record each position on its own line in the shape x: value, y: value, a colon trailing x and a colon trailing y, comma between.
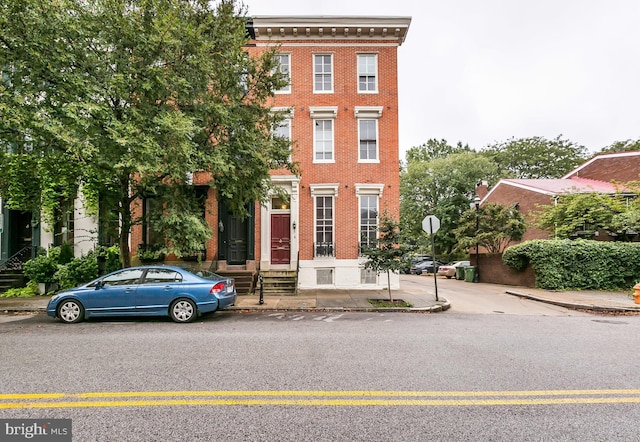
x: 78, y: 271
x: 42, y: 268
x: 66, y: 253
x: 111, y: 256
x: 49, y: 268
x: 578, y: 264
x: 22, y: 292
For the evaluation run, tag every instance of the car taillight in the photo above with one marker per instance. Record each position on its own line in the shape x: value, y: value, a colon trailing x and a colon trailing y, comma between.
x: 218, y: 288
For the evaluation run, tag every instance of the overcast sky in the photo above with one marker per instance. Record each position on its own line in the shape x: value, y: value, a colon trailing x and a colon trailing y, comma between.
x: 482, y: 72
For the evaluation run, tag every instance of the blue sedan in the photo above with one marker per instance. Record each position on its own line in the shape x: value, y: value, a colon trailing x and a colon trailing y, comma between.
x: 146, y: 291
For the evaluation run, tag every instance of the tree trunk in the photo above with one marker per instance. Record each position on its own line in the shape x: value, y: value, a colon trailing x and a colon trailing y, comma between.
x: 125, y: 225
x: 389, y: 286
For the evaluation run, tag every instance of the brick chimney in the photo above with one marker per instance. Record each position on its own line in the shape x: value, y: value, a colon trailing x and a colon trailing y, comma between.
x: 482, y: 189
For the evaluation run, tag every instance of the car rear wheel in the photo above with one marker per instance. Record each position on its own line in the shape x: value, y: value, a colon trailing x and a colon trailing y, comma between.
x: 71, y: 311
x: 183, y: 310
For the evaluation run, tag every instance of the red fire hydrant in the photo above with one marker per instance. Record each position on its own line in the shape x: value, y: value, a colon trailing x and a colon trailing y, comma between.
x: 636, y: 293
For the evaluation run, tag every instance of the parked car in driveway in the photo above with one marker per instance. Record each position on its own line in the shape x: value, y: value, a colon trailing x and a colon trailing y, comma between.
x: 425, y: 267
x: 450, y: 270
x: 415, y: 259
x: 146, y: 291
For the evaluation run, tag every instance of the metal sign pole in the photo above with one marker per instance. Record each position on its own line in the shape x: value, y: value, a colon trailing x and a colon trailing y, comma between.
x: 433, y: 257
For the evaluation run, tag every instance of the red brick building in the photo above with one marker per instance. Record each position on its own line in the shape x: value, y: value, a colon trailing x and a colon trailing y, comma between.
x: 342, y: 108
x: 603, y: 173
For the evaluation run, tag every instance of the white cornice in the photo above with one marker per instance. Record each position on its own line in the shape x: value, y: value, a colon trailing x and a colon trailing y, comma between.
x: 271, y: 27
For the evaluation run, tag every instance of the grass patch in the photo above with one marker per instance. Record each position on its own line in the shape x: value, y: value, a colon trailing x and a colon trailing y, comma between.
x: 385, y: 303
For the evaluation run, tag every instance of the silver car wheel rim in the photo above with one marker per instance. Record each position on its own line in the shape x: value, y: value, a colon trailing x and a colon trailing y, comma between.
x: 70, y: 311
x: 183, y: 310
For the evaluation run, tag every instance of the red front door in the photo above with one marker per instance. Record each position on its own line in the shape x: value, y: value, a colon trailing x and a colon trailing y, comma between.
x: 280, y: 239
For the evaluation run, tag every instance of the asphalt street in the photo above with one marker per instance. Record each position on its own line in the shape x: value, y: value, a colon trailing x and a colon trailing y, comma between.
x: 328, y: 376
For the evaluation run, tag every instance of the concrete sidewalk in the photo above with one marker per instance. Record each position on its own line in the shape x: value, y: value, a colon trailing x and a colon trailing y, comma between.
x: 357, y: 300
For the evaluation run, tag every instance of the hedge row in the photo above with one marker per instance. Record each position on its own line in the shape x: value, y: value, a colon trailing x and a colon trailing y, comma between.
x: 578, y: 264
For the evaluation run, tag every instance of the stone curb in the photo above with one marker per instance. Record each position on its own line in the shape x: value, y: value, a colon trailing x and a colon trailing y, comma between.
x: 592, y: 307
x: 445, y: 305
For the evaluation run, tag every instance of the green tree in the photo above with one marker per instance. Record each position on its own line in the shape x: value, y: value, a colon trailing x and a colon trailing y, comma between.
x: 433, y: 149
x: 535, y: 157
x: 389, y: 255
x: 493, y: 227
x: 580, y: 214
x: 622, y: 146
x: 126, y: 98
x: 444, y: 187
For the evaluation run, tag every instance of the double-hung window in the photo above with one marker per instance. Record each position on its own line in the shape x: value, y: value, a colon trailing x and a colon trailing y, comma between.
x: 368, y: 133
x: 323, y: 118
x: 322, y: 73
x: 368, y: 140
x: 323, y: 141
x: 367, y: 73
x: 284, y: 66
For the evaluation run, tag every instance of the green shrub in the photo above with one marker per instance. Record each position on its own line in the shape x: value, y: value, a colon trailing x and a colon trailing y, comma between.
x: 578, y: 264
x: 66, y: 253
x: 111, y: 256
x: 22, y: 292
x: 78, y: 271
x: 42, y: 268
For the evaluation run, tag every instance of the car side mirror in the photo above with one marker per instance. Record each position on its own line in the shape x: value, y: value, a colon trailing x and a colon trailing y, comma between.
x: 99, y: 285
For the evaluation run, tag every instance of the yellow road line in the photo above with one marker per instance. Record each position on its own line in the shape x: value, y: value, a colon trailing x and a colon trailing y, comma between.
x: 299, y: 393
x: 319, y: 398
x: 326, y: 402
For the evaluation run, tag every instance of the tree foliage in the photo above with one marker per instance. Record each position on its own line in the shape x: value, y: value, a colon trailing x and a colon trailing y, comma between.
x: 492, y: 226
x: 581, y: 214
x: 389, y: 255
x: 622, y: 146
x: 433, y: 149
x: 444, y: 187
x: 535, y: 157
x: 125, y: 99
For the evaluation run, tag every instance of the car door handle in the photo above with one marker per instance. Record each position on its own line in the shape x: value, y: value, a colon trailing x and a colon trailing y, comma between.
x: 167, y: 287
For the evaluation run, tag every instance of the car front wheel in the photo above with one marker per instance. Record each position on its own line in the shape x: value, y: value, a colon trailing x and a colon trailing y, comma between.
x: 183, y: 310
x: 70, y: 311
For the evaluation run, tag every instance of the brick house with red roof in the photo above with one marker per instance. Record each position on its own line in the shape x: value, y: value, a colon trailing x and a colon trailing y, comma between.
x: 604, y: 173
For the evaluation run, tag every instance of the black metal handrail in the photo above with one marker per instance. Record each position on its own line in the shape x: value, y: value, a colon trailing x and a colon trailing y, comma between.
x: 17, y: 260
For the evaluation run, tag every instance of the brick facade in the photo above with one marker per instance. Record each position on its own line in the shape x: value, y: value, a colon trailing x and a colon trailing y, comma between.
x: 345, y: 178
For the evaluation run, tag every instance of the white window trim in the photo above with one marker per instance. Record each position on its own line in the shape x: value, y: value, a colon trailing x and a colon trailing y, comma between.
x: 375, y: 91
x: 287, y: 113
x: 313, y: 60
x: 324, y: 189
x: 369, y: 189
x: 376, y: 160
x: 289, y: 87
x: 324, y: 113
x: 369, y: 112
x: 324, y: 192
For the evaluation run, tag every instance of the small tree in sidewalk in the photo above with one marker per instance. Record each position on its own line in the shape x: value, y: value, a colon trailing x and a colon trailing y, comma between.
x: 389, y: 255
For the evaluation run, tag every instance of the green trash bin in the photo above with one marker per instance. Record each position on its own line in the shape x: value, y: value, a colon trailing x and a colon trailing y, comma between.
x: 470, y: 274
x: 460, y: 272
